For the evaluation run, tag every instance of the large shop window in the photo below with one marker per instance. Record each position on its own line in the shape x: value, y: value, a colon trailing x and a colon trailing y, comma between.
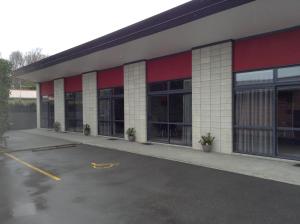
x: 73, y: 107
x: 254, y: 121
x: 170, y: 112
x: 267, y: 112
x: 47, y: 112
x: 111, y: 112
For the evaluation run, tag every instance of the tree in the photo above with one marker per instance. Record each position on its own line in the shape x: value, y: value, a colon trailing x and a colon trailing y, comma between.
x: 18, y: 60
x: 33, y: 56
x: 5, y: 69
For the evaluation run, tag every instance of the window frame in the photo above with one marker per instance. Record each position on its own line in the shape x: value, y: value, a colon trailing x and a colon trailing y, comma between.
x: 74, y: 98
x: 111, y: 121
x: 275, y: 84
x: 49, y: 121
x: 167, y: 93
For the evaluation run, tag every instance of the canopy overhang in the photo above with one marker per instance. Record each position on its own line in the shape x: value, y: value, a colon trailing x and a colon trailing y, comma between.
x: 236, y: 20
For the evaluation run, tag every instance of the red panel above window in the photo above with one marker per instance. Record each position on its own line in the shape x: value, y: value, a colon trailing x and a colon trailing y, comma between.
x: 177, y: 66
x: 47, y: 88
x: 271, y: 50
x: 110, y: 78
x: 73, y: 84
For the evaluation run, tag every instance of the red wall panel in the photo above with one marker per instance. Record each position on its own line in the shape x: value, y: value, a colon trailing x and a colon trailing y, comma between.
x: 175, y: 66
x: 47, y: 88
x: 271, y: 50
x: 110, y: 78
x: 73, y: 84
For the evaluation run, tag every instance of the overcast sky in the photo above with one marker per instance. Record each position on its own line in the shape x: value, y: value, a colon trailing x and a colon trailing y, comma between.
x: 56, y: 25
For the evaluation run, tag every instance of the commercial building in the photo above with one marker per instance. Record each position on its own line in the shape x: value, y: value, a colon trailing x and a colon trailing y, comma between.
x: 228, y: 67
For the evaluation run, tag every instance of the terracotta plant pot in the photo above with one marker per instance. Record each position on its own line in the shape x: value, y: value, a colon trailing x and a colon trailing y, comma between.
x: 131, y: 138
x: 207, y: 148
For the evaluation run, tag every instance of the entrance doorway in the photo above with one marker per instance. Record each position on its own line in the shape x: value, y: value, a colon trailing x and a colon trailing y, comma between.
x: 288, y: 122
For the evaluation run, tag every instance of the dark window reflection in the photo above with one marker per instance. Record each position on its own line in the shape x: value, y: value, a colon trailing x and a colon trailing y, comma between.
x: 47, y: 112
x: 159, y: 132
x: 170, y: 112
x: 161, y: 86
x: 288, y: 122
x: 73, y: 105
x: 111, y: 112
x: 159, y: 108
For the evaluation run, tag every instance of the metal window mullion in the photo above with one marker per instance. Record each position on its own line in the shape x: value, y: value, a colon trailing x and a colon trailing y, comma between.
x: 168, y: 114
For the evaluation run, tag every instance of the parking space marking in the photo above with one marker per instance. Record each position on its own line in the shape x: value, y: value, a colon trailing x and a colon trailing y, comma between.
x: 103, y: 165
x: 33, y: 167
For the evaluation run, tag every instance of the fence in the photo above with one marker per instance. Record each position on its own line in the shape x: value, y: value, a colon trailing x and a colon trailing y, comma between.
x: 22, y: 116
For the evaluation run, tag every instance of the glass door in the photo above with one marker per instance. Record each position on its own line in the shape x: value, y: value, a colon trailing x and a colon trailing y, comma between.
x: 288, y: 122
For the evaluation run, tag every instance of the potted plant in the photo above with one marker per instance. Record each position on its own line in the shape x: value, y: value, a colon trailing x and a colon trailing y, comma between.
x: 56, y: 126
x: 131, y: 134
x: 86, y: 130
x: 206, y: 141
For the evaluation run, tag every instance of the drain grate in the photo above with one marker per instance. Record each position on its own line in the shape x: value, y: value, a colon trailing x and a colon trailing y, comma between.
x: 147, y: 143
x: 53, y: 147
x: 44, y: 148
x: 297, y: 165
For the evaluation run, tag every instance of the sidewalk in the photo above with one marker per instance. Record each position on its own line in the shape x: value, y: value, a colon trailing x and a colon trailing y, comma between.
x: 267, y: 168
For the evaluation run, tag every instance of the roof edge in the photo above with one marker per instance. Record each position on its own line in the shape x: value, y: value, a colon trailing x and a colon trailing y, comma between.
x: 171, y: 18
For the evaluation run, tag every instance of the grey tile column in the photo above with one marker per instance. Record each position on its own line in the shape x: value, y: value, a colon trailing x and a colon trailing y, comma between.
x: 89, y: 101
x: 59, y: 102
x: 135, y: 99
x: 212, y: 95
x: 38, y: 106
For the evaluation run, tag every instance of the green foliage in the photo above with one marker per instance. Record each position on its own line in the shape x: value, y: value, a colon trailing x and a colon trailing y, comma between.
x: 5, y: 69
x: 130, y: 132
x: 207, y: 139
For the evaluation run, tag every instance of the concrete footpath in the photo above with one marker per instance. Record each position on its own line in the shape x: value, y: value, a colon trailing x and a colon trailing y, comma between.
x: 272, y: 169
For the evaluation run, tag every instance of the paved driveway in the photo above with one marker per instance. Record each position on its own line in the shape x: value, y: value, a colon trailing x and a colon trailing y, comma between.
x: 134, y: 189
x: 20, y: 140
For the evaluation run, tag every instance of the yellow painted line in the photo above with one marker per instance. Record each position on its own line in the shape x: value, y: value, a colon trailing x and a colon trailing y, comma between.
x: 32, y: 167
x: 103, y: 165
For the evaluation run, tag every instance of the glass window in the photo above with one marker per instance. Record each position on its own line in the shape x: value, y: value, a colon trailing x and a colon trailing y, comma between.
x: 290, y: 72
x: 104, y: 112
x: 177, y: 84
x: 118, y: 129
x: 181, y: 84
x: 47, y: 112
x: 118, y: 109
x: 288, y: 122
x: 111, y: 112
x: 176, y: 108
x: 158, y: 108
x: 119, y: 91
x: 105, y: 92
x: 253, y: 121
x: 180, y: 134
x: 104, y: 128
x: 159, y: 132
x: 73, y: 105
x: 161, y: 86
x: 256, y: 77
x: 170, y: 114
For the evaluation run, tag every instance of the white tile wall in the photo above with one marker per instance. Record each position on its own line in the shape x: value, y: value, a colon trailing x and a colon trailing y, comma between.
x: 59, y: 102
x: 89, y: 101
x: 212, y: 95
x: 135, y: 99
x: 38, y: 105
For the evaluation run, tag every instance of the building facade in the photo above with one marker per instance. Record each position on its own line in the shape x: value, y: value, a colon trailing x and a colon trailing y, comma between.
x: 183, y: 81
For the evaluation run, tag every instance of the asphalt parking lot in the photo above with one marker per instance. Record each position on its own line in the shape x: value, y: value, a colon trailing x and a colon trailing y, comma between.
x: 129, y: 188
